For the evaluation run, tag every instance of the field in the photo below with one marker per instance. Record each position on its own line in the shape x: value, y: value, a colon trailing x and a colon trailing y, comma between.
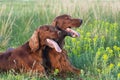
x: 96, y: 52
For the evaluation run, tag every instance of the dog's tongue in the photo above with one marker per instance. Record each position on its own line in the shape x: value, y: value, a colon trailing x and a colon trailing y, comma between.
x: 73, y: 33
x: 51, y: 43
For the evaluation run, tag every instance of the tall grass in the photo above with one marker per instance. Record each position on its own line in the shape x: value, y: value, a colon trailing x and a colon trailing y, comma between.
x: 96, y: 52
x: 5, y: 28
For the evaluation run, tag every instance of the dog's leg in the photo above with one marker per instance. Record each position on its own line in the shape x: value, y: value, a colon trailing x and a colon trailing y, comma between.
x: 55, y: 60
x: 66, y: 65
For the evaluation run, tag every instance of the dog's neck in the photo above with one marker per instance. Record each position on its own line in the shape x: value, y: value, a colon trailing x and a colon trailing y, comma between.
x: 61, y: 41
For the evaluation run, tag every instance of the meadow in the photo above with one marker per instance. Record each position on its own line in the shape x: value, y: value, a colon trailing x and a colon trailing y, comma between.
x: 96, y: 52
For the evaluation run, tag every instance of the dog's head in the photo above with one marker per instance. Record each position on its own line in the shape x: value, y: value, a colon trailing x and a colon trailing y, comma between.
x: 44, y: 36
x: 66, y: 22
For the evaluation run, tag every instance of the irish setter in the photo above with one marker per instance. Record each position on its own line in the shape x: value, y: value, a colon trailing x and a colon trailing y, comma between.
x: 28, y: 57
x: 57, y: 60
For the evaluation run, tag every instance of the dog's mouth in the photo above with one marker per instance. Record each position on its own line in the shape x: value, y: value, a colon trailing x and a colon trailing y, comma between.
x: 72, y: 32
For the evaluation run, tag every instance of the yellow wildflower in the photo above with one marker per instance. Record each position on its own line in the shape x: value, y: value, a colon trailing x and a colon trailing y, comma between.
x: 108, y: 48
x: 107, y: 30
x: 115, y: 47
x: 56, y: 71
x: 98, y: 54
x: 98, y: 70
x: 111, y: 66
x: 105, y: 57
x: 118, y: 75
x: 73, y: 39
x: 118, y: 65
x: 111, y: 51
x: 95, y: 38
x: 88, y: 34
x: 119, y: 48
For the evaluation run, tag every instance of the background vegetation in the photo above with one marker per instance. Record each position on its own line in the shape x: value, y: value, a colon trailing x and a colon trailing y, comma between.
x: 96, y: 52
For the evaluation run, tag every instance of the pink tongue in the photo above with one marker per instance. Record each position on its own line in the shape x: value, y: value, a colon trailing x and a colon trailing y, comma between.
x: 74, y: 33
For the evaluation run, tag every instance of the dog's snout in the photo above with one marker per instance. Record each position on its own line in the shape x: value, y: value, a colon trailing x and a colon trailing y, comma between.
x: 81, y: 21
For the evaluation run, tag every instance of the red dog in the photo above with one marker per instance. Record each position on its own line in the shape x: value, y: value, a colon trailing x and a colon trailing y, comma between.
x: 29, y: 56
x: 57, y: 60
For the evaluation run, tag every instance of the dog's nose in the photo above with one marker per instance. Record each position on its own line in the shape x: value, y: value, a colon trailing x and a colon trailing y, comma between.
x: 81, y: 21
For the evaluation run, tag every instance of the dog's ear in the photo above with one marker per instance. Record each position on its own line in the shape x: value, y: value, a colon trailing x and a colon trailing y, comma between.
x: 34, y: 41
x: 54, y: 23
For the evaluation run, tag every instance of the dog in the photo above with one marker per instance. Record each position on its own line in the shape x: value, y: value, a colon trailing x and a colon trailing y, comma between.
x: 57, y: 60
x: 29, y: 56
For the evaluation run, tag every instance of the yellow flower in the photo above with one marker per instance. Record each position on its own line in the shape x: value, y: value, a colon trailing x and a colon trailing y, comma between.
x: 118, y: 75
x: 108, y: 48
x: 111, y: 66
x: 119, y: 48
x: 111, y: 51
x: 105, y: 57
x: 56, y: 71
x: 114, y: 47
x: 88, y: 34
x: 115, y: 38
x: 95, y: 38
x: 98, y: 54
x: 73, y: 39
x: 107, y: 30
x: 98, y: 70
x: 118, y: 65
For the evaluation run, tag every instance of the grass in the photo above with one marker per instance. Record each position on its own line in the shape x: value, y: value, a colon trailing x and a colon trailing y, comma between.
x: 96, y: 52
